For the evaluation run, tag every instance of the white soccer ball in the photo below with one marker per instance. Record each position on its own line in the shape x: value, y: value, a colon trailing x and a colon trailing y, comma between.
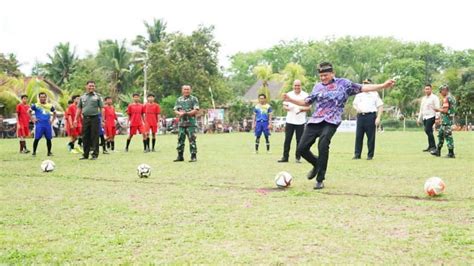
x: 434, y: 186
x: 143, y: 170
x: 47, y: 166
x: 283, y: 179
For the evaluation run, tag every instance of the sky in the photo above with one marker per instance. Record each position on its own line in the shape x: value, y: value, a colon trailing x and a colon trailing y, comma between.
x: 32, y: 28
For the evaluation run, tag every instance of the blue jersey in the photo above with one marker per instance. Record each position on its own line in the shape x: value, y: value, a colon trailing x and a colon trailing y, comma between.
x: 43, y: 113
x: 262, y: 112
x: 101, y: 130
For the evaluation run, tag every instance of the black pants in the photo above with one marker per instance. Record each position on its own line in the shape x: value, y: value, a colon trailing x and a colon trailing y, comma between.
x: 90, y: 135
x: 289, y: 130
x: 428, y: 123
x: 324, y: 131
x: 365, y: 125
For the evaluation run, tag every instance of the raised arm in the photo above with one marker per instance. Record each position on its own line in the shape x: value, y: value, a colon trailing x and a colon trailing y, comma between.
x: 376, y: 87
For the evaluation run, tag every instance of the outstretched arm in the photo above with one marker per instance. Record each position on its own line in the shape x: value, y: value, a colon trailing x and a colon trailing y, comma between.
x: 376, y: 87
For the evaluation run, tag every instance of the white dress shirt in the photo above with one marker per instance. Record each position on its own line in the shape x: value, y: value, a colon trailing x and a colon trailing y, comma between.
x: 428, y: 104
x: 294, y: 116
x: 367, y: 102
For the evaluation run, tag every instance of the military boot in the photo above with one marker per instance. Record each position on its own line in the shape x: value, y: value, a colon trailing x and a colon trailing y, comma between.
x: 193, y: 158
x: 451, y: 154
x: 180, y: 157
x: 436, y: 152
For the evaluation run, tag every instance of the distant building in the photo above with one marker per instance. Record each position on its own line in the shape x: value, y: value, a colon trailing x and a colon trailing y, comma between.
x: 274, y: 87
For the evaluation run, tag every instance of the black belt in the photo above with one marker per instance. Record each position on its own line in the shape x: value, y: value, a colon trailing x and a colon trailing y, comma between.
x: 90, y: 116
x: 369, y: 113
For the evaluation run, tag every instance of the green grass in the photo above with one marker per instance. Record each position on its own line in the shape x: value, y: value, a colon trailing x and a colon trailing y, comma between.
x: 225, y: 209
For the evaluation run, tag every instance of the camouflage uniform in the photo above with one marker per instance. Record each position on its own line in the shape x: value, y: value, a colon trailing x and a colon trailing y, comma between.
x: 187, y: 124
x: 445, y: 130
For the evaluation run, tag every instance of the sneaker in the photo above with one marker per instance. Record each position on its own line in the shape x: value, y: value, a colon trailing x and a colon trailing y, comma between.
x: 25, y: 151
x: 319, y: 185
x: 356, y: 157
x: 74, y: 151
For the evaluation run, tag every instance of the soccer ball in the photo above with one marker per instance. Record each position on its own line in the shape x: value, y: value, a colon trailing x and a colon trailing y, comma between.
x: 434, y: 186
x: 143, y: 170
x: 283, y: 179
x: 47, y: 166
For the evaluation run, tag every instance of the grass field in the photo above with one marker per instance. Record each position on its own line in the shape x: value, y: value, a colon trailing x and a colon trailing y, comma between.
x: 225, y: 209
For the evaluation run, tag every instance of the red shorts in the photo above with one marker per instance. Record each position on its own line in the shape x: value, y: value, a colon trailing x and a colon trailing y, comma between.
x: 110, y: 130
x: 135, y: 129
x: 153, y: 128
x: 74, y: 132
x: 24, y: 131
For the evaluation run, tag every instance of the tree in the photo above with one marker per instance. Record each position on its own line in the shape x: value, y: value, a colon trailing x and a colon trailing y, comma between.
x: 265, y: 74
x: 156, y: 33
x: 187, y: 59
x: 115, y: 59
x: 9, y: 65
x: 290, y: 73
x: 62, y: 64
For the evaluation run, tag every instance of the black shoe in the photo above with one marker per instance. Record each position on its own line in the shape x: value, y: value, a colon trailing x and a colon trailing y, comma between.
x: 370, y: 158
x: 25, y: 151
x: 427, y: 149
x: 33, y: 154
x: 450, y: 155
x: 126, y: 149
x: 105, y: 152
x: 146, y: 151
x: 312, y: 174
x: 180, y: 157
x: 83, y: 158
x: 319, y: 185
x: 298, y: 160
x: 50, y: 154
x: 356, y: 157
x: 283, y: 160
x: 436, y: 152
x: 153, y: 150
x: 94, y: 158
x: 193, y: 158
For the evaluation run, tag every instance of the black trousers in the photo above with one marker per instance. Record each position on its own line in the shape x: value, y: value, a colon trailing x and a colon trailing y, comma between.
x: 90, y: 135
x: 291, y: 129
x: 365, y: 125
x: 428, y: 123
x: 324, y: 131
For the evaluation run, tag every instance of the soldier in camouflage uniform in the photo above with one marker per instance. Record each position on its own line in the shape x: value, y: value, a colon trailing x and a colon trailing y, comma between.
x: 186, y: 108
x: 445, y: 130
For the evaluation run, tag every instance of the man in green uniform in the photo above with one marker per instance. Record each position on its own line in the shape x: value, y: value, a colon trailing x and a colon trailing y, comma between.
x: 90, y: 106
x: 446, y: 131
x: 186, y: 108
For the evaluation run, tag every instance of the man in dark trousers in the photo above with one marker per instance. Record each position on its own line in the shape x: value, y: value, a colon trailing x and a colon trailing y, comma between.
x: 428, y: 115
x: 369, y: 109
x: 90, y: 105
x: 328, y: 98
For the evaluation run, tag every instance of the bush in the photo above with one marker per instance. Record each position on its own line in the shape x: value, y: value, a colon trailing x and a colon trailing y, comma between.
x: 398, y: 124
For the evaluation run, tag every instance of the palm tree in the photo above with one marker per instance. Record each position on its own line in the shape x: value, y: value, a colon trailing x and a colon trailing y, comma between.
x: 290, y: 73
x: 62, y: 64
x: 265, y: 74
x: 156, y: 33
x: 115, y: 59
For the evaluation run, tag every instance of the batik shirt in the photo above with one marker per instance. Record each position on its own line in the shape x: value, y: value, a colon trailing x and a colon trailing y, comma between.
x: 329, y: 100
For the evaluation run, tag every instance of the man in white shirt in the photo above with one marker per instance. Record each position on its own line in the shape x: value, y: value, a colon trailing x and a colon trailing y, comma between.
x: 428, y: 114
x: 369, y: 108
x: 295, y: 120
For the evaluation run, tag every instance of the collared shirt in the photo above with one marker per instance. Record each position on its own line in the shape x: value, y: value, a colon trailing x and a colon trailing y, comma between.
x: 22, y: 112
x: 329, y: 100
x: 91, y: 104
x: 428, y: 104
x: 187, y: 104
x: 262, y: 112
x: 294, y: 116
x: 367, y: 102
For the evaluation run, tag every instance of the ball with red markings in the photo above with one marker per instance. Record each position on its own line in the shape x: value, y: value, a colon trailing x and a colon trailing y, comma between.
x: 434, y: 186
x: 283, y: 179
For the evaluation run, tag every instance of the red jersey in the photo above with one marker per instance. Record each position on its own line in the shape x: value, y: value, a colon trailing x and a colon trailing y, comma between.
x: 22, y: 112
x: 151, y: 111
x: 110, y: 115
x: 135, y: 111
x: 71, y: 114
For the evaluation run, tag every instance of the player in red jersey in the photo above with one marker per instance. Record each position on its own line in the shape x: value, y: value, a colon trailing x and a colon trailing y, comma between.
x: 152, y: 116
x: 110, y: 118
x: 72, y: 131
x: 23, y: 122
x: 135, y: 119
